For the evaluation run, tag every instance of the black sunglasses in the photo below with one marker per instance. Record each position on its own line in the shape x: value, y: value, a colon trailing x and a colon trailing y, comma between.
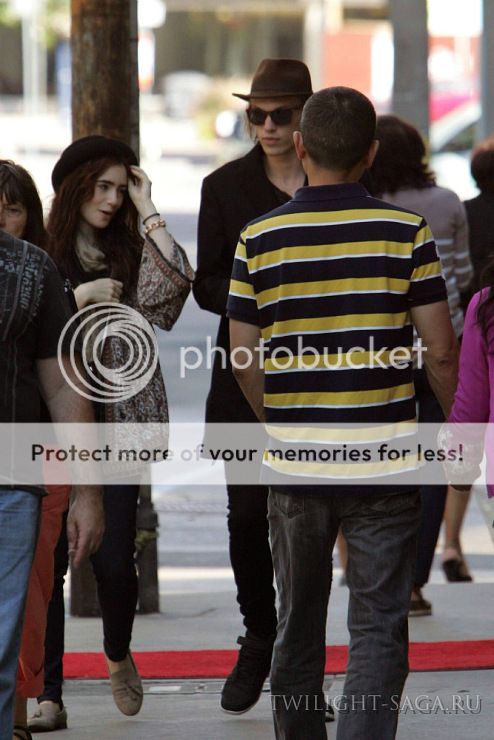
x: 279, y: 116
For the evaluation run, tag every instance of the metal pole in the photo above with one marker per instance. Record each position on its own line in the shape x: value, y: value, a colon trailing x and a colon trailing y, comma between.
x: 314, y: 32
x: 486, y: 127
x: 33, y: 59
x: 147, y: 553
x: 411, y: 51
x: 27, y: 65
x: 322, y: 19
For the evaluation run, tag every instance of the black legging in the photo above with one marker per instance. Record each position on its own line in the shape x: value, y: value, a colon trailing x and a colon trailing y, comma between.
x: 116, y: 579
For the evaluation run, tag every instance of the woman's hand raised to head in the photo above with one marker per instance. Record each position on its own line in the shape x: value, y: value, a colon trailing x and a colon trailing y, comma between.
x: 103, y: 290
x: 140, y: 193
x: 139, y: 187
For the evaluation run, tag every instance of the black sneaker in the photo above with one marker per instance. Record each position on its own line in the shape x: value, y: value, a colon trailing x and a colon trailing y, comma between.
x: 243, y: 686
x: 329, y: 712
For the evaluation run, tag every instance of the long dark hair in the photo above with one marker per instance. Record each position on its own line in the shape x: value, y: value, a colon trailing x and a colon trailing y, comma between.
x: 17, y: 186
x: 120, y: 241
x: 401, y: 158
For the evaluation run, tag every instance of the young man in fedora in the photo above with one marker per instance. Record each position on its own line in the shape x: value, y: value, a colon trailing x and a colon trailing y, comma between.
x: 233, y: 195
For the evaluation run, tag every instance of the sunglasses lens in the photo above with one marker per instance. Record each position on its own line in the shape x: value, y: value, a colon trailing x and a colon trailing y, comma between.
x: 279, y: 116
x: 257, y: 116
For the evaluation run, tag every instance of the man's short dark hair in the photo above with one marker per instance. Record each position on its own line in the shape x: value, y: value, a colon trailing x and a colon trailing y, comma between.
x: 338, y: 127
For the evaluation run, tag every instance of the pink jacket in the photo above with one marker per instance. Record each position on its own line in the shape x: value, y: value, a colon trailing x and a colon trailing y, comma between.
x: 474, y: 397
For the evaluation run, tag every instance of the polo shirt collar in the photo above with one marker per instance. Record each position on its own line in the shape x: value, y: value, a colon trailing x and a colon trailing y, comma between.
x: 315, y: 193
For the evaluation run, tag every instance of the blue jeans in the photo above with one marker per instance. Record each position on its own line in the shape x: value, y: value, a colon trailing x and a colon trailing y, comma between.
x: 19, y: 521
x: 380, y: 531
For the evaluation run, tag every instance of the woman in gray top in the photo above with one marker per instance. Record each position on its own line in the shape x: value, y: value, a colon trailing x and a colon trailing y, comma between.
x: 400, y: 175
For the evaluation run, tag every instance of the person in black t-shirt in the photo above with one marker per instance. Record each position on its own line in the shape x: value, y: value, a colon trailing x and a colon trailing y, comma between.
x: 33, y: 312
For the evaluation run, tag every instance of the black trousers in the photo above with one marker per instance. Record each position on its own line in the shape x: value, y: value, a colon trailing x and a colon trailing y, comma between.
x: 250, y: 556
x: 433, y: 498
x: 116, y: 578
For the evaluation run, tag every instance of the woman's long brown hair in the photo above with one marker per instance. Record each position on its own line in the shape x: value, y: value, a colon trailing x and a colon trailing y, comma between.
x: 401, y: 158
x: 120, y: 241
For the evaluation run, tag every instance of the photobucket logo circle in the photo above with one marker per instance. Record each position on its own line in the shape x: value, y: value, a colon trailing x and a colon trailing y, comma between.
x: 135, y: 346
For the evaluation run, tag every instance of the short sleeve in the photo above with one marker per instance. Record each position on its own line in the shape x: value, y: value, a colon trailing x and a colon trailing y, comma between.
x: 242, y: 303
x: 54, y: 312
x: 427, y: 283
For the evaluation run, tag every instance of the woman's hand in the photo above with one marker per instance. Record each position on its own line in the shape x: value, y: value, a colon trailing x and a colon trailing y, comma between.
x: 103, y: 290
x: 140, y: 194
x: 139, y: 187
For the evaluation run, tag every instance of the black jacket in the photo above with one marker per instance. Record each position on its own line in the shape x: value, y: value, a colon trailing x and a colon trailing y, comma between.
x: 231, y: 196
x: 480, y: 215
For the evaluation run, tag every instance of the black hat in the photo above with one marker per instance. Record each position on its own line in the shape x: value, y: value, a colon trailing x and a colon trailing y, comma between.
x: 279, y: 78
x: 87, y: 148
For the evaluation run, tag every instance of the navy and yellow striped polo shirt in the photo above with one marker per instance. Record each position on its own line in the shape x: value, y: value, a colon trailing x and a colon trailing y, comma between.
x: 329, y: 278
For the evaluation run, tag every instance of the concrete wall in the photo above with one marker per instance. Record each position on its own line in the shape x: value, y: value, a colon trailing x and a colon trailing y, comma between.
x: 224, y: 45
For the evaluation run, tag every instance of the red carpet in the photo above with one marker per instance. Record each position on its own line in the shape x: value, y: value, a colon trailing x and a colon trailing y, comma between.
x: 424, y: 656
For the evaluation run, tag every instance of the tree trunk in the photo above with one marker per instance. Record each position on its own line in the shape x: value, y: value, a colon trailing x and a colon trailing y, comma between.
x: 104, y: 66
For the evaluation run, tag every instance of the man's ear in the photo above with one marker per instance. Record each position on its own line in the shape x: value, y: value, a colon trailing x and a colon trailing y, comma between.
x: 371, y: 154
x: 299, y: 145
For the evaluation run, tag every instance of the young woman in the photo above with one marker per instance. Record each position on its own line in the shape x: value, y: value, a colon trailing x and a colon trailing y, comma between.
x: 480, y: 215
x: 94, y: 238
x: 400, y: 175
x: 474, y: 397
x: 21, y: 216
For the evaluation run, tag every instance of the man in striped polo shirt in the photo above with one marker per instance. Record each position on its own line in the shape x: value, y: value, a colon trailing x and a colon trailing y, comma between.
x: 331, y: 282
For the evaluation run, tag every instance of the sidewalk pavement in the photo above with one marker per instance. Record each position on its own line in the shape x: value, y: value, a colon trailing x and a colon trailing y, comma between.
x: 199, y: 611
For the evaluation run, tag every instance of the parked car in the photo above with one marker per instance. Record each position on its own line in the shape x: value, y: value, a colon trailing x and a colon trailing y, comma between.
x: 451, y: 140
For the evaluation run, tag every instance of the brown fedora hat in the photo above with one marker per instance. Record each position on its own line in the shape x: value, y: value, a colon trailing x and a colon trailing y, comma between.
x: 279, y: 78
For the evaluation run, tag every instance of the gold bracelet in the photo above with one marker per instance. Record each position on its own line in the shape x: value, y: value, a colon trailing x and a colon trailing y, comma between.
x: 155, y: 225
